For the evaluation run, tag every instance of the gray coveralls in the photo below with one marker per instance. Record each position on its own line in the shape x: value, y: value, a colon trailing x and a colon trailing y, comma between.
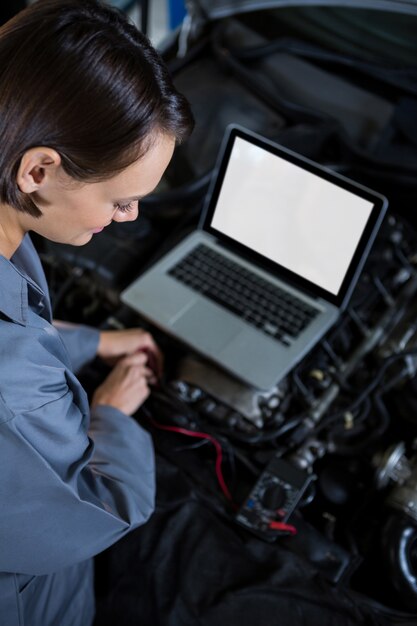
x: 72, y: 482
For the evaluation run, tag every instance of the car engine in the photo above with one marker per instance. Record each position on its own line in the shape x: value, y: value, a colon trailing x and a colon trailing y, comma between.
x: 333, y: 445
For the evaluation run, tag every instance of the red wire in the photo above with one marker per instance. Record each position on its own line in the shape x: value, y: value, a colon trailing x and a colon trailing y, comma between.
x: 281, y: 526
x: 200, y: 435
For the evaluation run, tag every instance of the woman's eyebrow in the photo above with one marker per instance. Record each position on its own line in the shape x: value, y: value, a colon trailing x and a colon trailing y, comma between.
x: 131, y: 199
x: 136, y: 198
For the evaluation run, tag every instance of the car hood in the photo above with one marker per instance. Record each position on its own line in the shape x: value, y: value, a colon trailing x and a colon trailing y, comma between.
x: 216, y: 9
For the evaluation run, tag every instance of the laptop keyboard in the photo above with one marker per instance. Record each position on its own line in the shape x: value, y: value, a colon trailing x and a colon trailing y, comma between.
x: 265, y: 306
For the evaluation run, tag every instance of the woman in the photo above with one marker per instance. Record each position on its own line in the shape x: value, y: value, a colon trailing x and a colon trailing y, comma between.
x: 88, y: 123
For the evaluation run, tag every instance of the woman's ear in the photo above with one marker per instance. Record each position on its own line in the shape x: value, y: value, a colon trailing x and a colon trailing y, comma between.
x: 36, y: 168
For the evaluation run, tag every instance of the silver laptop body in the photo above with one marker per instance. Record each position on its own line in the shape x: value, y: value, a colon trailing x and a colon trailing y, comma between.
x: 276, y: 228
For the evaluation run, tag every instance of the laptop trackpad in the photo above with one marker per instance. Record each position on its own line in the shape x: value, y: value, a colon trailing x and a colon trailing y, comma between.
x: 203, y: 326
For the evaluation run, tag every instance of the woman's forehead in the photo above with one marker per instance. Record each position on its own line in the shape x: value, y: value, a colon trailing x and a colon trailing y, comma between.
x: 142, y: 176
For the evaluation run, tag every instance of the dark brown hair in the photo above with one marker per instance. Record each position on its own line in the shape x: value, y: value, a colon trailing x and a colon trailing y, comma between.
x: 78, y: 77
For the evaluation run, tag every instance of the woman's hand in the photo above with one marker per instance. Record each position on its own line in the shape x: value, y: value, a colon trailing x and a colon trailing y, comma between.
x: 127, y: 385
x: 115, y: 344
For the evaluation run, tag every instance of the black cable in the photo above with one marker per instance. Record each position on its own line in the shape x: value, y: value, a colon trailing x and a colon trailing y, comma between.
x: 168, y: 398
x: 393, y: 74
x: 377, y: 429
x: 192, y: 446
x: 323, y: 424
x: 355, y: 156
x: 296, y: 113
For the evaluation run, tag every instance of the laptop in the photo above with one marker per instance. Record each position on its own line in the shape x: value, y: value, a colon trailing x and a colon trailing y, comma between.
x: 273, y: 262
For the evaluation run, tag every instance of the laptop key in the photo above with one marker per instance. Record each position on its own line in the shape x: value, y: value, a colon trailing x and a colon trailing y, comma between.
x: 270, y: 329
x: 261, y: 304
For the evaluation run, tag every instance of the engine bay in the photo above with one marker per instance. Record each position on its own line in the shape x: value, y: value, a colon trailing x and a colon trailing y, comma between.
x: 333, y: 445
x: 322, y: 466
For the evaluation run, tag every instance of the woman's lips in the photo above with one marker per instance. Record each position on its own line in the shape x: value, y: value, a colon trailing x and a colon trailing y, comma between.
x: 98, y: 230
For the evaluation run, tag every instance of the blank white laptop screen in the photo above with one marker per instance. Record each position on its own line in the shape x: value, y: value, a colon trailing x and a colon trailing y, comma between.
x: 289, y: 215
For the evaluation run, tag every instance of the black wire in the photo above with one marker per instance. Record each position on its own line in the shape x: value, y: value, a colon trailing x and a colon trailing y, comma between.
x: 169, y: 401
x: 378, y: 428
x: 302, y: 388
x: 273, y: 435
x: 365, y: 392
x: 296, y: 423
x: 168, y: 397
x: 192, y: 446
x: 359, y: 417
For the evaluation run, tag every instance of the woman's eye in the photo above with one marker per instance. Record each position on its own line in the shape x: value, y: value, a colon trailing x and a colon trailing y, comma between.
x: 124, y: 208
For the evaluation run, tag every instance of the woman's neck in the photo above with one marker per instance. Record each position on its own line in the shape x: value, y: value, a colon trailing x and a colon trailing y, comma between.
x: 11, y: 231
